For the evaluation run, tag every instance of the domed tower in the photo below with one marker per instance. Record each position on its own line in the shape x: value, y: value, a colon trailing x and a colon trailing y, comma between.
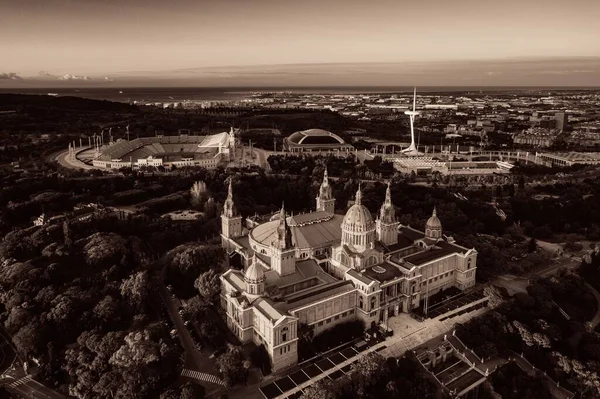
x: 255, y: 278
x: 386, y: 224
x: 231, y: 221
x: 433, y: 228
x: 358, y: 228
x: 283, y: 253
x: 325, y: 200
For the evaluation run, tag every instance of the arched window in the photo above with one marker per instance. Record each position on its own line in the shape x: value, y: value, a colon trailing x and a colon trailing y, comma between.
x: 468, y: 264
x: 344, y: 259
x: 360, y: 302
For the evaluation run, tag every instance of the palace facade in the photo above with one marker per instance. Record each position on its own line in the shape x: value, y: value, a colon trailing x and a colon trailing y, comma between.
x: 321, y: 269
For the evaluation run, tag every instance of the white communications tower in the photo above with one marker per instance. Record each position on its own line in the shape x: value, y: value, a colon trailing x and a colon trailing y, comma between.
x: 412, y: 148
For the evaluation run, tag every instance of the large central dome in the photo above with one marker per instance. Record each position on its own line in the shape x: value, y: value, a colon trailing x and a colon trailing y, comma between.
x: 358, y: 219
x: 358, y: 228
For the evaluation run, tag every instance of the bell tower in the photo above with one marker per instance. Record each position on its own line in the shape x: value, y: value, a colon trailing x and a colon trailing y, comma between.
x: 325, y: 200
x: 231, y: 221
x: 386, y: 224
x: 283, y: 253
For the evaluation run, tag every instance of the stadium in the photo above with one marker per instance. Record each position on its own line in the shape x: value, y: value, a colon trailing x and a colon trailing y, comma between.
x: 166, y: 151
x: 312, y: 140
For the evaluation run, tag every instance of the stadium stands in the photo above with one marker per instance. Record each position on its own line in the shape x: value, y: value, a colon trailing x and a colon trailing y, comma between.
x: 177, y: 150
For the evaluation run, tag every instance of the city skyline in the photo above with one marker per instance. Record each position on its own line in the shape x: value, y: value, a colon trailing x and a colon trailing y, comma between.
x: 108, y: 40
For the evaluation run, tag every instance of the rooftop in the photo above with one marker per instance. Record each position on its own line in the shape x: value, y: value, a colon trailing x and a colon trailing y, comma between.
x: 383, y: 272
x: 359, y: 276
x: 441, y: 249
x: 316, y: 294
x: 309, y: 218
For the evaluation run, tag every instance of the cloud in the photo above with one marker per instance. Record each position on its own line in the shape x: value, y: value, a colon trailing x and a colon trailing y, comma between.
x: 107, y: 79
x: 10, y: 76
x: 46, y: 73
x: 73, y: 77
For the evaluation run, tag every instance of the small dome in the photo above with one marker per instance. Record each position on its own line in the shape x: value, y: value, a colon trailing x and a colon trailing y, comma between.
x: 434, y: 222
x: 255, y: 272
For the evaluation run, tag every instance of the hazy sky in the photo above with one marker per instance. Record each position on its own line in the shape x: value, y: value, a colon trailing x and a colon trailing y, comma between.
x: 112, y: 36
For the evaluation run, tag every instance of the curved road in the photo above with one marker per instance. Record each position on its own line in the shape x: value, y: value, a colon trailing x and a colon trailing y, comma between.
x: 596, y: 319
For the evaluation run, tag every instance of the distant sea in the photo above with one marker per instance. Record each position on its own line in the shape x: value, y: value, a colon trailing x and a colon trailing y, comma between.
x: 178, y: 94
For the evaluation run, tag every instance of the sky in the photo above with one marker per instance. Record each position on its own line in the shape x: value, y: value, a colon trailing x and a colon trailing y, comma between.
x: 111, y: 38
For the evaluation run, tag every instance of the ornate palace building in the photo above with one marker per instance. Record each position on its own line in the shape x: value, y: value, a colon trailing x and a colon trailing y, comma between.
x: 321, y: 269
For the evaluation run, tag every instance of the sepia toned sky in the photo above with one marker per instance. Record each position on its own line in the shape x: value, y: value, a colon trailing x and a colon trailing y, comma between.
x: 118, y: 36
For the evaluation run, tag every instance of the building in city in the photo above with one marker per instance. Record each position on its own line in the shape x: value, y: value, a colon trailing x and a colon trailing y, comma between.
x: 316, y: 140
x: 569, y: 158
x: 561, y: 120
x: 538, y: 137
x: 321, y: 268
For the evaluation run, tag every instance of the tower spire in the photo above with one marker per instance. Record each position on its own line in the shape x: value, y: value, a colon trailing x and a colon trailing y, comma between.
x: 415, y: 100
x: 388, y: 195
x: 358, y: 199
x: 434, y: 211
x: 325, y: 200
x: 230, y: 189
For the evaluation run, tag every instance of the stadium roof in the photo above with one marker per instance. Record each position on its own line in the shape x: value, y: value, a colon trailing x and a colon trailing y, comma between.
x: 315, y: 137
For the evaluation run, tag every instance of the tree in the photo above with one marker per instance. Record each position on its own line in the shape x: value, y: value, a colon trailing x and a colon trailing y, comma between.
x: 197, y: 193
x: 208, y: 285
x: 185, y: 391
x: 231, y: 366
x: 137, y: 288
x: 17, y: 318
x: 27, y: 339
x: 139, y: 349
x: 107, y: 310
x: 306, y: 333
x: 103, y: 249
x: 532, y: 246
x: 210, y: 208
x: 367, y: 372
x: 68, y: 240
x: 322, y: 389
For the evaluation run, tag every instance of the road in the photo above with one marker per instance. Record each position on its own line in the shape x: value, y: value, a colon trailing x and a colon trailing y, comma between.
x: 26, y: 387
x: 261, y: 156
x: 14, y: 379
x: 194, y: 359
x: 60, y: 157
x: 596, y: 319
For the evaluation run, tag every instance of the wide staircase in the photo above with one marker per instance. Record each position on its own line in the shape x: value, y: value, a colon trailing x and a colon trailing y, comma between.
x: 202, y: 376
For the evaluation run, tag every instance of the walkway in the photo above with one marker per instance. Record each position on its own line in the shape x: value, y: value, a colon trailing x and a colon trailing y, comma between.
x: 213, y: 379
x: 555, y: 390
